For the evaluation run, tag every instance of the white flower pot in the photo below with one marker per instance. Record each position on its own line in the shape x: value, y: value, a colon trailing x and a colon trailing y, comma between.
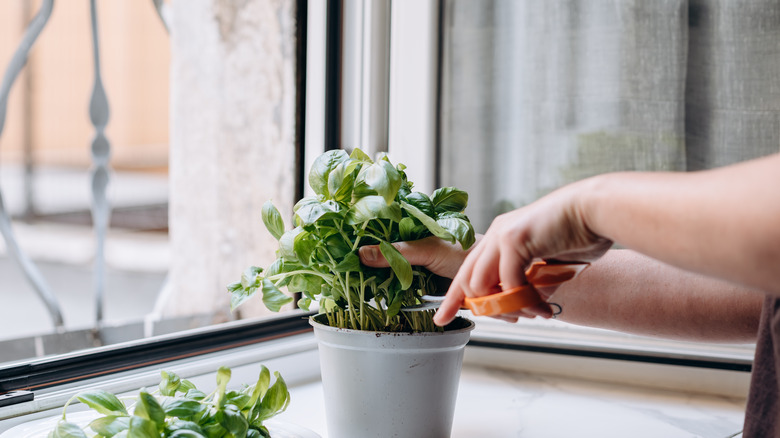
x: 382, y: 385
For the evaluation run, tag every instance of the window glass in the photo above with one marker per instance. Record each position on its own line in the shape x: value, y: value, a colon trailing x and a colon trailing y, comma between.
x: 539, y: 94
x: 192, y: 115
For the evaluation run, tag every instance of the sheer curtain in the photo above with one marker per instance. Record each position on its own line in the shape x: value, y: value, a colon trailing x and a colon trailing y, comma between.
x: 539, y: 93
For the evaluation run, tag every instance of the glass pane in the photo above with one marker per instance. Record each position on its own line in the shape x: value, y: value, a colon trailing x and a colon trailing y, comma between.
x: 47, y: 164
x: 539, y: 94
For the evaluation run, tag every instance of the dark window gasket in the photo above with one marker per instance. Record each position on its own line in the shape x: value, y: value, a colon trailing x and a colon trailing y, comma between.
x: 101, y: 361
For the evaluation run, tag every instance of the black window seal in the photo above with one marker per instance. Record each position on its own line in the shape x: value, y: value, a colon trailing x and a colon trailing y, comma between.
x: 102, y: 361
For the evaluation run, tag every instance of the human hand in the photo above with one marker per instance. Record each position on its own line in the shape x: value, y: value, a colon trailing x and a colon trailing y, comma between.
x: 437, y: 255
x: 553, y: 227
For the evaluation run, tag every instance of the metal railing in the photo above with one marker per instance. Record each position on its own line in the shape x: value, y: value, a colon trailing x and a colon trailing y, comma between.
x: 100, y: 153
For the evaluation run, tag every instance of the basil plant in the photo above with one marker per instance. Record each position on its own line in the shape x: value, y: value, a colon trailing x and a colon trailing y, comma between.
x: 177, y: 409
x: 357, y: 202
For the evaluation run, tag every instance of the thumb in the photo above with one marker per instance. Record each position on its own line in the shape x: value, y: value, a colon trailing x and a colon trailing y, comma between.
x: 439, y: 256
x: 371, y: 256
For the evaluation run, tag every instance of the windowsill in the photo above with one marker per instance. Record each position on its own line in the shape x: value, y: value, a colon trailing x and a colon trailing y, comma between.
x: 503, y: 393
x: 499, y: 403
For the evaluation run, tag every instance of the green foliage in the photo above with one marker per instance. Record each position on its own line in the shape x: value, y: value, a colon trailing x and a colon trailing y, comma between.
x: 357, y: 202
x: 179, y: 410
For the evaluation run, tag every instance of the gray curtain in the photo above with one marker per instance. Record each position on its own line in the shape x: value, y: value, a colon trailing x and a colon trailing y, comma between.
x: 540, y: 93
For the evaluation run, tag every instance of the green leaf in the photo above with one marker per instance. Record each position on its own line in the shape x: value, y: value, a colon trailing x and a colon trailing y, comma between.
x: 459, y: 226
x: 304, y: 303
x: 103, y: 402
x: 341, y: 182
x: 304, y: 245
x: 67, y: 430
x: 428, y: 221
x: 185, y: 386
x: 422, y: 202
x: 275, y: 400
x: 358, y: 155
x: 287, y: 244
x: 186, y: 433
x: 411, y: 230
x: 147, y: 407
x: 231, y: 419
x: 142, y: 428
x: 381, y: 177
x: 321, y: 168
x: 195, y: 394
x: 181, y: 407
x: 399, y: 264
x: 110, y: 425
x: 372, y: 207
x: 254, y: 433
x: 449, y: 199
x: 240, y: 295
x: 273, y: 298
x: 350, y: 263
x: 260, y: 388
x: 273, y: 220
x: 223, y: 377
x: 178, y: 424
x: 169, y: 383
x: 315, y: 211
x: 250, y: 277
x: 214, y: 430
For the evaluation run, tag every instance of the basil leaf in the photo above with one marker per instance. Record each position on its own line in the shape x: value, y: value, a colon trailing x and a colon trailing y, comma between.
x: 67, y: 430
x: 399, y: 264
x: 223, y: 377
x: 231, y: 419
x: 422, y: 202
x: 381, y: 177
x: 103, y: 402
x: 287, y: 244
x: 358, y: 155
x: 181, y: 407
x: 147, y: 407
x: 250, y: 276
x: 321, y: 168
x: 429, y: 222
x: 275, y: 400
x: 350, y: 263
x: 110, y: 425
x: 178, y: 424
x: 186, y: 433
x: 449, y: 199
x: 142, y: 428
x: 273, y: 298
x: 169, y: 384
x: 260, y: 388
x: 303, y: 246
x: 314, y: 211
x: 372, y: 207
x: 459, y: 226
x: 273, y: 220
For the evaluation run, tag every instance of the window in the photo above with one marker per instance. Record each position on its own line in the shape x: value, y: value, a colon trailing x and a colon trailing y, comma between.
x: 199, y: 134
x: 458, y: 88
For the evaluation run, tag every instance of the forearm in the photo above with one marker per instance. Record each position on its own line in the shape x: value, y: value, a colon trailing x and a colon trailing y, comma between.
x: 723, y: 223
x: 629, y: 292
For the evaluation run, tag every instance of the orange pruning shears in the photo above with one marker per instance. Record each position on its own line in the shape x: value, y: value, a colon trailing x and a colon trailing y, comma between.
x: 539, y: 274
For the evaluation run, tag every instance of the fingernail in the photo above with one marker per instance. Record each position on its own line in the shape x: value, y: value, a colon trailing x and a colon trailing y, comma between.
x: 439, y: 321
x: 369, y: 253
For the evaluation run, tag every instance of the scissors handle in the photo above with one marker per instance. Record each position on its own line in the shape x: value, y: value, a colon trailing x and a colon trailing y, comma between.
x: 539, y: 274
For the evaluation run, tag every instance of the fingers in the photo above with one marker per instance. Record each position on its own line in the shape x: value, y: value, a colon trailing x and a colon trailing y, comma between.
x: 449, y: 308
x: 439, y: 256
x: 371, y: 256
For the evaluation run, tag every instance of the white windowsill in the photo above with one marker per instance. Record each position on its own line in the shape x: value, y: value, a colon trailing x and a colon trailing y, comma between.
x: 503, y: 393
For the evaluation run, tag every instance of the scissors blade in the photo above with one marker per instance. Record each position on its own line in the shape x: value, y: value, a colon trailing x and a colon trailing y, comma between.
x: 428, y: 302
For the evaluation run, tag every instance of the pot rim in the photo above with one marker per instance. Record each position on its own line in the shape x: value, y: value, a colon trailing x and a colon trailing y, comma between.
x: 470, y: 325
